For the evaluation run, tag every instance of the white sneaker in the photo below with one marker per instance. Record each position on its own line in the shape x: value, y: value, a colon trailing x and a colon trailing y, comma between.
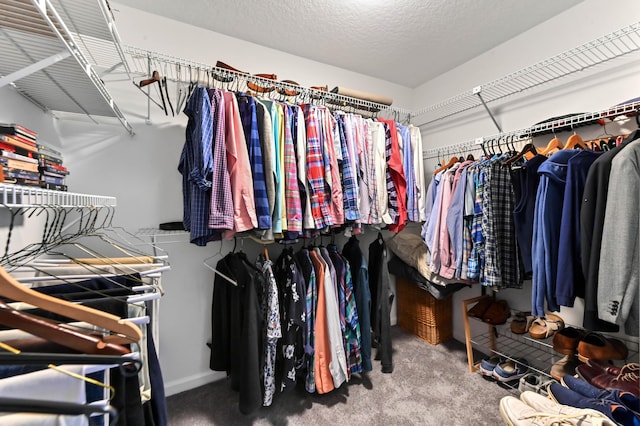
x: 579, y: 416
x: 515, y: 412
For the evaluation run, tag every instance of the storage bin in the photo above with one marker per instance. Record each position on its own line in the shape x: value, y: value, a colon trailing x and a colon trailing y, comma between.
x: 422, y: 314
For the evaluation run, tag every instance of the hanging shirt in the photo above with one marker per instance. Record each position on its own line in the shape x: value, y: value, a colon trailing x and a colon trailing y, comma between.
x: 293, y: 207
x: 366, y: 197
x: 244, y: 217
x: 276, y: 218
x: 418, y: 168
x: 501, y: 251
x: 352, y: 338
x: 273, y: 333
x: 408, y: 166
x: 265, y: 132
x: 293, y: 289
x: 360, y: 274
x: 348, y: 173
x: 523, y: 211
x: 196, y: 165
x: 381, y: 298
x: 455, y: 218
x: 330, y: 138
x: 378, y: 175
x: 311, y: 302
x: 248, y: 115
x: 338, y: 364
x: 322, y: 346
x: 399, y: 183
x: 318, y: 195
x: 301, y: 161
x: 281, y: 200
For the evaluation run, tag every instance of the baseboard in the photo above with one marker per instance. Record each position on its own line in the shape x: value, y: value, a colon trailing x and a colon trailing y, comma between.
x: 176, y: 386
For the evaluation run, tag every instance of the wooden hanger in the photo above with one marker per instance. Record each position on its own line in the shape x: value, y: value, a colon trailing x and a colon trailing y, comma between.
x: 451, y: 162
x: 125, y: 331
x: 575, y: 141
x: 554, y: 144
x: 55, y: 333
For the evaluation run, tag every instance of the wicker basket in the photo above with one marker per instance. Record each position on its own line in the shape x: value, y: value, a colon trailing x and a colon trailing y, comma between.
x: 422, y: 314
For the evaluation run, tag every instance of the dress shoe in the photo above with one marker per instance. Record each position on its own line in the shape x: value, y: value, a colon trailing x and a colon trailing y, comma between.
x: 567, y: 365
x: 628, y: 380
x: 604, y: 368
x: 566, y: 341
x: 596, y: 346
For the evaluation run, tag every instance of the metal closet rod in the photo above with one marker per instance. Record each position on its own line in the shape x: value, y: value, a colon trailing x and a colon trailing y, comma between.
x: 552, y: 126
x: 169, y: 64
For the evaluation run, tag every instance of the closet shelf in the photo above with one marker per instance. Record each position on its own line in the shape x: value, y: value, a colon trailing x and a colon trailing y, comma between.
x: 16, y: 196
x: 603, y: 49
x: 563, y: 124
x: 184, y: 71
x: 51, y: 50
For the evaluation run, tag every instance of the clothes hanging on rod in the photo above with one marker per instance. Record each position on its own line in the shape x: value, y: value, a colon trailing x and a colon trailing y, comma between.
x: 470, y: 231
x: 298, y: 321
x: 282, y: 170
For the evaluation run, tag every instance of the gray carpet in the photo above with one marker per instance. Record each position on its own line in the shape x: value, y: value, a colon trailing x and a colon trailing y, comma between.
x: 430, y: 385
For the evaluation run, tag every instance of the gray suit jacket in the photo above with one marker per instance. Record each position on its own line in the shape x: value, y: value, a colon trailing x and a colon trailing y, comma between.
x: 619, y: 276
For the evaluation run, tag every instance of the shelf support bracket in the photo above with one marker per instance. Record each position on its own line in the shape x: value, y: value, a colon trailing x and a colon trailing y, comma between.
x: 476, y: 91
x: 35, y: 67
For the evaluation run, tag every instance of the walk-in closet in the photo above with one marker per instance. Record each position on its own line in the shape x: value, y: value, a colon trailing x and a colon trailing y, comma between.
x: 294, y: 213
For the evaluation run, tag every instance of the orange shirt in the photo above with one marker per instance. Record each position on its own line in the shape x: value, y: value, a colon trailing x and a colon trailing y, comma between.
x: 322, y: 346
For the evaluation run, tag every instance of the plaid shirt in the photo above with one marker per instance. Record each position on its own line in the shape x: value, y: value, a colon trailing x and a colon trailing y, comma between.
x: 352, y: 339
x: 476, y: 257
x: 195, y: 165
x: 247, y: 108
x: 391, y: 188
x: 502, y: 201
x: 349, y: 189
x: 292, y: 191
x: 315, y: 170
x: 409, y: 172
x: 221, y: 214
x: 330, y: 137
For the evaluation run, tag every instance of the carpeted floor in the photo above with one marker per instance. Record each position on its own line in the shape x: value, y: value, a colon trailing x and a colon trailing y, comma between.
x: 430, y: 385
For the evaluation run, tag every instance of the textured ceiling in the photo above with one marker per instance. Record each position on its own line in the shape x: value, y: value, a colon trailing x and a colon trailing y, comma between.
x: 408, y: 42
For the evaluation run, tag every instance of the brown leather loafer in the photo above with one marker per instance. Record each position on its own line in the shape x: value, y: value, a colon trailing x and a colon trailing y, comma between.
x: 596, y: 346
x: 566, y: 341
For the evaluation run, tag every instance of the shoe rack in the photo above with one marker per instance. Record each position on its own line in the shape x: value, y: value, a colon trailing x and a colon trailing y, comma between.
x: 501, y: 341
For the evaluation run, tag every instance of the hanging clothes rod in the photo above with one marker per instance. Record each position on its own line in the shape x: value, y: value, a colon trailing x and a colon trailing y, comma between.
x: 185, y: 71
x: 539, y: 129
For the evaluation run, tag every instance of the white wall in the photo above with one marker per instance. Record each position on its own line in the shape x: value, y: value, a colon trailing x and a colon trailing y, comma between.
x: 587, y: 91
x: 141, y: 171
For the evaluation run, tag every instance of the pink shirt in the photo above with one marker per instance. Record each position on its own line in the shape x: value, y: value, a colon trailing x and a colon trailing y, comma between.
x: 244, y: 208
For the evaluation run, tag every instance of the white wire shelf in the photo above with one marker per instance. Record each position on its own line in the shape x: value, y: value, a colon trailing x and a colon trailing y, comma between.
x: 182, y: 70
x: 618, y: 44
x: 539, y: 129
x: 46, y: 50
x: 18, y: 196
